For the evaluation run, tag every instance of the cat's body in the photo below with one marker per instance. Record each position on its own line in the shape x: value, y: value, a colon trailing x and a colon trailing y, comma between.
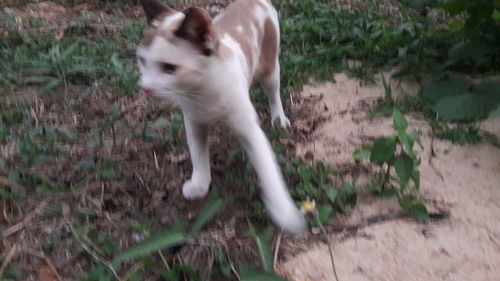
x: 207, y: 68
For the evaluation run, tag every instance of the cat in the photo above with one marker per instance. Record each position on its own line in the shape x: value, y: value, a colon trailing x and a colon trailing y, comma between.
x: 206, y: 67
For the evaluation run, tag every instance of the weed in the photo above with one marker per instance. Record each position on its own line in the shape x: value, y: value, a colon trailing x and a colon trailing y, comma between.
x: 460, y: 134
x: 455, y: 98
x: 396, y: 155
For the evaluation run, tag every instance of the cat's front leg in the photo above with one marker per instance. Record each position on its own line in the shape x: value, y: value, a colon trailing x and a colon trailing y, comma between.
x: 197, y: 138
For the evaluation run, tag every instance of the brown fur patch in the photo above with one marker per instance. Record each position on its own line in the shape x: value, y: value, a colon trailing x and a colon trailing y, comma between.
x: 240, y: 13
x: 269, y: 49
x: 197, y: 28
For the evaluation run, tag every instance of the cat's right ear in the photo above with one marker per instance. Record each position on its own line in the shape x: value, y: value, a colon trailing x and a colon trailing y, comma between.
x: 154, y: 9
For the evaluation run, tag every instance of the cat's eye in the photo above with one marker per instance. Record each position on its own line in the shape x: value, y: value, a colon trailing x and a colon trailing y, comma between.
x: 168, y: 67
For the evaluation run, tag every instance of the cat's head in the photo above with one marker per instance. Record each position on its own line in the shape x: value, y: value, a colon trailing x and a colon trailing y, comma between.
x: 176, y: 51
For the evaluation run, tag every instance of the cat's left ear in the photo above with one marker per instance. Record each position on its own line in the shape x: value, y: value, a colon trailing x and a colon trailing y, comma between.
x: 197, y: 28
x: 154, y: 9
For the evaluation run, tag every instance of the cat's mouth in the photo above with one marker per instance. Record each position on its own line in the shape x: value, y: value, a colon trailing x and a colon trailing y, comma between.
x: 148, y: 91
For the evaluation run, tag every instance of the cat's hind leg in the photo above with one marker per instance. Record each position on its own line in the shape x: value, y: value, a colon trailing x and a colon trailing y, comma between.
x: 271, y: 86
x: 197, y: 137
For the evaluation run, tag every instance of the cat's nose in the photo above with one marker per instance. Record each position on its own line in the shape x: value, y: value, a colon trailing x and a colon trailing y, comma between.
x: 148, y: 91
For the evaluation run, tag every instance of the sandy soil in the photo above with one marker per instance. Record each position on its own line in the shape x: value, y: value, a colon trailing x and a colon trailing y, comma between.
x: 464, y: 180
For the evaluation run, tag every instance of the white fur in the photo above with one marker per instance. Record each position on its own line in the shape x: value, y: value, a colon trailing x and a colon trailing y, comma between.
x: 213, y: 89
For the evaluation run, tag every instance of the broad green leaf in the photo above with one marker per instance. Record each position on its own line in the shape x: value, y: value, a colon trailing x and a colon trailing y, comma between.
x: 383, y: 111
x: 324, y: 212
x: 415, y: 137
x: 403, y: 164
x: 460, y: 101
x: 361, y: 153
x: 213, y: 204
x: 434, y: 91
x: 388, y: 192
x: 383, y: 150
x: 399, y: 122
x: 495, y: 113
x: 419, y: 212
x: 171, y: 236
x: 464, y: 107
x: 332, y: 194
x: 160, y: 122
x: 407, y: 201
x: 305, y: 174
x: 253, y: 274
x: 468, y: 50
x: 415, y: 176
x: 263, y: 243
x: 406, y: 141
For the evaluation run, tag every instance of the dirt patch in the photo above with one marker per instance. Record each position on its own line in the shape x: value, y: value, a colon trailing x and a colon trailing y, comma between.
x: 465, y: 180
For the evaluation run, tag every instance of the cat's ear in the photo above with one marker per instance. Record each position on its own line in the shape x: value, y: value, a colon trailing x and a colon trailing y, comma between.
x: 154, y: 9
x: 197, y: 28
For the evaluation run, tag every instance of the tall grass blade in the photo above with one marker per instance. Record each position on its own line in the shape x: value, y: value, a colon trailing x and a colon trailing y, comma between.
x: 263, y: 243
x: 211, y: 207
x: 171, y: 236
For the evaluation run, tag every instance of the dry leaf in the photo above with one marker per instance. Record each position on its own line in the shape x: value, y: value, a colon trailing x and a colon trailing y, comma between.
x: 46, y: 273
x: 59, y: 35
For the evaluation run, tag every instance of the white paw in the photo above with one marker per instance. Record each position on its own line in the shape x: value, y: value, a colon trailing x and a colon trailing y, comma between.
x: 194, y: 190
x: 284, y: 121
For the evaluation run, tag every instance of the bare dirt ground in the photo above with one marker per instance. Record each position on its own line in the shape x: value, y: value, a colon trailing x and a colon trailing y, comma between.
x: 463, y: 180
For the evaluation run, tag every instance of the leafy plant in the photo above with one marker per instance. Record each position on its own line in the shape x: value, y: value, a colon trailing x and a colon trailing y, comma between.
x: 398, y: 162
x: 455, y: 98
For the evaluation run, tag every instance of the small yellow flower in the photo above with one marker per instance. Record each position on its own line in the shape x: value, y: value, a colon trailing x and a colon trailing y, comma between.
x: 308, y: 206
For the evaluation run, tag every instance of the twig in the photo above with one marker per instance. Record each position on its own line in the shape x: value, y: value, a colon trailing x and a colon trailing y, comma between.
x: 276, y: 249
x: 95, y: 255
x: 131, y: 271
x: 7, y: 259
x: 52, y: 267
x: 316, y: 215
x: 164, y: 260
x: 20, y: 225
x: 44, y: 257
x: 338, y: 227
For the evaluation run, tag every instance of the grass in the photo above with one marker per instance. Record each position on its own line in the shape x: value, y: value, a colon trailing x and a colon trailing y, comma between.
x: 74, y: 133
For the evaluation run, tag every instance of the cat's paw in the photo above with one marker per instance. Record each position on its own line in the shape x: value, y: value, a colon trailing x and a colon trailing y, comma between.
x: 194, y: 190
x: 283, y: 121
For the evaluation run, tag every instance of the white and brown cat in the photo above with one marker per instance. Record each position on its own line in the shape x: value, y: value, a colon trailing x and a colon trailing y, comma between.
x: 206, y: 67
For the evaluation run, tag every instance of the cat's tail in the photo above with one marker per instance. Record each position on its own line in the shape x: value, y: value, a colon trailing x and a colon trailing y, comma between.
x: 275, y: 195
x: 284, y: 213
